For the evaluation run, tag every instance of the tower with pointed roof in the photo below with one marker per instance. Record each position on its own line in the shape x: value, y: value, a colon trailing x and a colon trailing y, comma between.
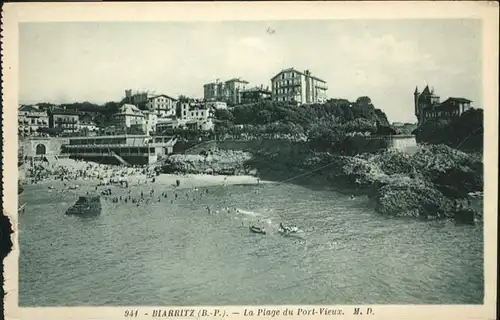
x: 426, y: 99
x: 415, y: 101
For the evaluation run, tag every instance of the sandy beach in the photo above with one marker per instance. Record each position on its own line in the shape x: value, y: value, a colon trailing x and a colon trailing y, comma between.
x: 97, y: 178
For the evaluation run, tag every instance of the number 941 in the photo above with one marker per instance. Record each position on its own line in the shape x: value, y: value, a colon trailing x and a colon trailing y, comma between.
x: 131, y: 313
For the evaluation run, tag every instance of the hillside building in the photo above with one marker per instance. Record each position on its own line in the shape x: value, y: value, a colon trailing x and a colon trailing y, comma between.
x: 161, y: 104
x: 427, y: 106
x: 255, y: 94
x: 67, y: 120
x: 301, y: 87
x: 30, y: 118
x: 129, y: 117
x: 228, y: 91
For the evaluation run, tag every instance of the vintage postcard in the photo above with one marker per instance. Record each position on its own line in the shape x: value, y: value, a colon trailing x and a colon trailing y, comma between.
x: 250, y: 160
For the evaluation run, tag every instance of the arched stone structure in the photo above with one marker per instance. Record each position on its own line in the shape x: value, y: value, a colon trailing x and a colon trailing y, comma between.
x: 41, y: 149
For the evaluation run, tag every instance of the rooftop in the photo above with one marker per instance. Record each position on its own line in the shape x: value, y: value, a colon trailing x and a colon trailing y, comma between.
x: 299, y: 72
x: 237, y: 80
x: 129, y: 109
x: 26, y: 108
x: 459, y: 99
x: 65, y: 112
x: 162, y: 95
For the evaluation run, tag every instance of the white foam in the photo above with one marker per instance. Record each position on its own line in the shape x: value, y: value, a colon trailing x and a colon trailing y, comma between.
x: 250, y: 213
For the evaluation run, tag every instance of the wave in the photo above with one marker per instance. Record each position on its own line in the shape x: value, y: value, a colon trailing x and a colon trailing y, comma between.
x: 249, y: 213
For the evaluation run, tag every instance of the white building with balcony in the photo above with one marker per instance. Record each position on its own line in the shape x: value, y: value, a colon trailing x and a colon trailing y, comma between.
x: 301, y: 87
x: 162, y: 105
x: 197, y: 115
x: 30, y: 118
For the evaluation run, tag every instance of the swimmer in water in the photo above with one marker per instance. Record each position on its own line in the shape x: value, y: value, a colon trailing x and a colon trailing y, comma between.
x: 352, y: 197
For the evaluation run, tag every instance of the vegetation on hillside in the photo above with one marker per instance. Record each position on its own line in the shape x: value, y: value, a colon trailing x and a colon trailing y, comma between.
x: 464, y: 132
x: 326, y: 126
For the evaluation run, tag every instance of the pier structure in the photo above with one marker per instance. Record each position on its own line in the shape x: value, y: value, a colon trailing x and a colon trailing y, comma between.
x: 120, y: 149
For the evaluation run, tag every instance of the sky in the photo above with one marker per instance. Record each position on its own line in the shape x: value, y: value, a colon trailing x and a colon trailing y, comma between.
x: 63, y: 62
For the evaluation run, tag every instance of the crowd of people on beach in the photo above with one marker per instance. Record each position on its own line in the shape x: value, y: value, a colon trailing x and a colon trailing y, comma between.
x: 75, y: 170
x: 109, y: 177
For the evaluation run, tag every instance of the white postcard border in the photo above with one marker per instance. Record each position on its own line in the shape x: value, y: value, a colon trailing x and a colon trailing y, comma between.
x: 13, y: 13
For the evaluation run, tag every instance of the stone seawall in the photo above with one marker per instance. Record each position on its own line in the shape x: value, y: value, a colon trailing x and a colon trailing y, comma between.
x: 40, y: 146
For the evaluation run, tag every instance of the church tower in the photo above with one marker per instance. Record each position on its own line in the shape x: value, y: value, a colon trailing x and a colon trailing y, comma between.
x: 416, y: 95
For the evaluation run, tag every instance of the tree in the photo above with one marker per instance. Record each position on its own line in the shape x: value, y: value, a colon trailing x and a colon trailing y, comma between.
x: 360, y: 125
x: 327, y: 134
x: 224, y: 114
x: 183, y: 98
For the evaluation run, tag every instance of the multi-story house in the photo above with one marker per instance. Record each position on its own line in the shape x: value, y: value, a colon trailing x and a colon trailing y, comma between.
x: 30, y: 118
x: 197, y: 115
x: 228, y: 91
x: 428, y: 106
x: 150, y: 119
x: 301, y: 87
x: 162, y: 105
x: 68, y: 121
x: 213, y: 91
x: 255, y: 94
x: 130, y: 118
x: 87, y: 122
x: 233, y: 89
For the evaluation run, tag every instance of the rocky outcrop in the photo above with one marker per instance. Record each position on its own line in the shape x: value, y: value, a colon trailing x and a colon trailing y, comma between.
x: 466, y: 216
x: 214, y: 161
x: 86, y: 206
x: 427, y: 184
x: 411, y: 197
x: 445, y: 166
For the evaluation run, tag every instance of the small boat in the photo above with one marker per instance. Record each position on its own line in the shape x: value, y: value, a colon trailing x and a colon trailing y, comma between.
x: 285, y: 229
x: 257, y: 230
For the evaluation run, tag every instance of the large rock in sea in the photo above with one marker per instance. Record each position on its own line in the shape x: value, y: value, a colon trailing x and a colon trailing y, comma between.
x: 410, y: 197
x: 445, y: 166
x: 466, y: 216
x: 86, y: 206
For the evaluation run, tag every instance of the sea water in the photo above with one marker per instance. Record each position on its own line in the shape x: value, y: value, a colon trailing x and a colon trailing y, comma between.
x: 174, y: 252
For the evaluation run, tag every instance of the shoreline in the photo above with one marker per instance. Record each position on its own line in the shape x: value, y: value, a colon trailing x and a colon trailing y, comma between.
x: 163, y: 180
